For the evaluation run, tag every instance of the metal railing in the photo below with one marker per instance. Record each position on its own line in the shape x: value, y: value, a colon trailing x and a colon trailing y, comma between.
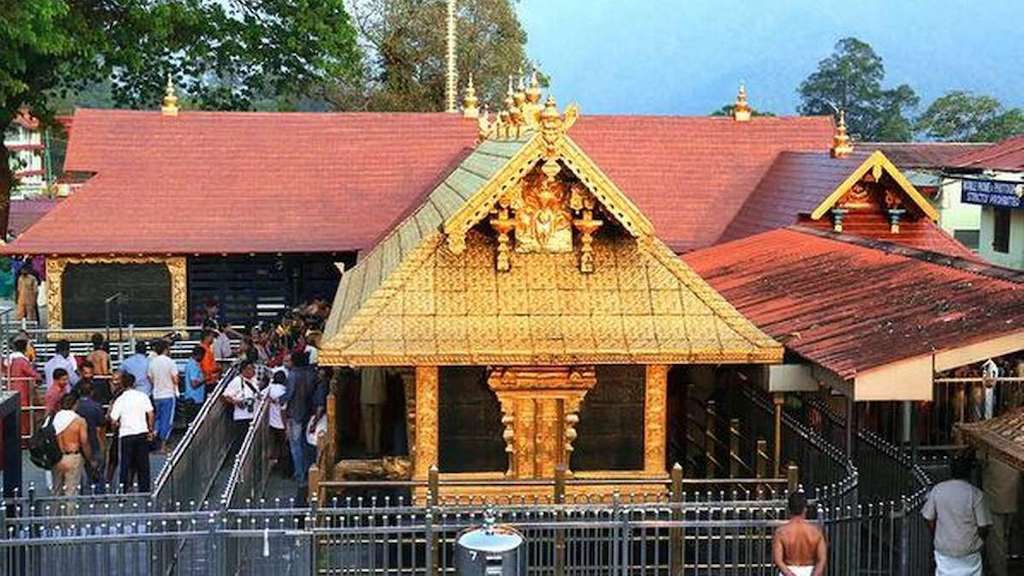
x: 614, y: 538
x: 251, y: 468
x: 192, y: 467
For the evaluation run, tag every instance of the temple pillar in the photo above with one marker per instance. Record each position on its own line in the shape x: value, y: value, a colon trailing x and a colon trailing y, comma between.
x: 540, y: 407
x: 655, y: 429
x: 425, y: 448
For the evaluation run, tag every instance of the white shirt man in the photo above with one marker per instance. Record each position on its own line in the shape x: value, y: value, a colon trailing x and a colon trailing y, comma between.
x: 958, y: 516
x: 242, y: 393
x: 132, y: 412
x: 60, y: 360
x: 163, y: 374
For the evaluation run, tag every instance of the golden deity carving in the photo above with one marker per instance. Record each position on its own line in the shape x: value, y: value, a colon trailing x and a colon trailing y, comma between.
x: 543, y: 220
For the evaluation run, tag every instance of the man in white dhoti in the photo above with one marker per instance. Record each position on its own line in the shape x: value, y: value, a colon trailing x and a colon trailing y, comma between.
x: 958, y: 517
x: 798, y: 546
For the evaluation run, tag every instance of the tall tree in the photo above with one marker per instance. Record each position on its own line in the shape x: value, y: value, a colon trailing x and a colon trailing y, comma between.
x: 851, y: 79
x: 223, y: 54
x: 962, y: 116
x: 404, y: 43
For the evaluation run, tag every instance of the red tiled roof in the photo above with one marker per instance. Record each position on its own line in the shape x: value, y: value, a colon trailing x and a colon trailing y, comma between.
x: 265, y: 182
x: 851, y: 304
x: 794, y: 185
x: 920, y: 233
x: 798, y: 182
x: 223, y: 182
x: 25, y: 213
x: 922, y: 154
x: 1006, y: 155
x: 691, y: 175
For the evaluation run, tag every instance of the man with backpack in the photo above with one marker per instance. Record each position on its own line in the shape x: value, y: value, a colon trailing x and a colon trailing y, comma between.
x: 73, y: 441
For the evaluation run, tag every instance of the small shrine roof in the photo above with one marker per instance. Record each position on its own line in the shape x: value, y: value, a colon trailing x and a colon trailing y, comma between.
x: 1002, y: 437
x: 850, y: 304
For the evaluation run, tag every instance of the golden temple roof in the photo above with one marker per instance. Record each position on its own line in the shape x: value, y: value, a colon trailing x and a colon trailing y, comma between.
x: 444, y: 288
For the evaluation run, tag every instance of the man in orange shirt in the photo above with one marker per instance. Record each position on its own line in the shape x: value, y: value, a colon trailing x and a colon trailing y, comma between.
x: 211, y: 370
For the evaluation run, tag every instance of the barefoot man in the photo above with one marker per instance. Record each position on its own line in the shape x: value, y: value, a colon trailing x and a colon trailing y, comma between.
x: 73, y: 439
x: 798, y: 547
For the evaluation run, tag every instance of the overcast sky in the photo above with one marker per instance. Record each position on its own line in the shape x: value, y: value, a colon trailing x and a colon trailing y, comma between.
x: 687, y: 56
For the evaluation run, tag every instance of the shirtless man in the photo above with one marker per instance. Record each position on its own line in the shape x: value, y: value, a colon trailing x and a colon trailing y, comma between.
x: 798, y: 547
x: 73, y: 439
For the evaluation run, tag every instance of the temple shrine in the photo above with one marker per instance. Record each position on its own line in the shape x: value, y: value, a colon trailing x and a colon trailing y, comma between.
x: 535, y: 315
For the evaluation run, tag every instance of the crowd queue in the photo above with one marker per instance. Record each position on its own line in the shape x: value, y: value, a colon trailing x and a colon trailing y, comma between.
x: 140, y: 402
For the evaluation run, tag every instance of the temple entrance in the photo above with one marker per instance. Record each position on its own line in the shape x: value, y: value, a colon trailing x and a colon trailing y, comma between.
x: 372, y: 408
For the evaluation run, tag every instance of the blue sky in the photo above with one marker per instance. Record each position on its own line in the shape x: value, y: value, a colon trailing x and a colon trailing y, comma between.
x: 687, y: 56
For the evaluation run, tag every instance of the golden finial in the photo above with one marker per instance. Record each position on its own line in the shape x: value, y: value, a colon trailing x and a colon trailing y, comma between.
x: 510, y: 100
x: 841, y: 145
x: 533, y: 92
x: 483, y: 124
x: 169, y: 107
x: 520, y: 93
x: 469, y: 101
x: 741, y: 110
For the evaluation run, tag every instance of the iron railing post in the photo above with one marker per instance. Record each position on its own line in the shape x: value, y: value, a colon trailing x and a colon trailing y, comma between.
x: 734, y: 448
x: 676, y: 532
x: 559, y: 518
x: 710, y: 415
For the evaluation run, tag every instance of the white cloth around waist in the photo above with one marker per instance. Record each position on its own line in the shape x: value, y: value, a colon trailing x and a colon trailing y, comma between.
x: 800, y: 570
x: 969, y: 565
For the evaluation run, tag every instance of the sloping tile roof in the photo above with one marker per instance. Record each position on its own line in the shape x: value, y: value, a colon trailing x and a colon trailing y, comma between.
x: 25, y: 213
x: 414, y: 301
x: 935, y: 155
x: 1003, y: 437
x: 850, y: 304
x: 1007, y: 155
x: 922, y: 234
x: 225, y: 182
x: 270, y: 182
x: 796, y: 184
x: 691, y: 175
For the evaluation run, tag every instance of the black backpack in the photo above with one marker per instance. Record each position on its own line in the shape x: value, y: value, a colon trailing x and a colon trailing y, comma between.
x: 43, y: 449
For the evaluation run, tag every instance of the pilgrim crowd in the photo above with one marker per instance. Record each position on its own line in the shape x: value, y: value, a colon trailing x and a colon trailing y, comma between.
x: 149, y: 395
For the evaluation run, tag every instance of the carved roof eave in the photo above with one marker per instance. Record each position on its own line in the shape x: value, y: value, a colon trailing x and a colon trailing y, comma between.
x: 533, y: 151
x: 876, y: 161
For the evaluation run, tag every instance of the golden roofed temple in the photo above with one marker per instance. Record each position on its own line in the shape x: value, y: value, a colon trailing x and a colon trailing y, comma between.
x: 533, y: 316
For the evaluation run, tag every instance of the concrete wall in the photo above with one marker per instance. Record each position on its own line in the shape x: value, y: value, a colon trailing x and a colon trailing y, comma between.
x: 954, y: 215
x: 1015, y: 257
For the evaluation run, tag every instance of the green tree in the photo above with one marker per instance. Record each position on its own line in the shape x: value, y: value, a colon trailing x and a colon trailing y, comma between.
x: 1009, y: 123
x: 404, y: 42
x: 851, y: 79
x: 223, y: 54
x: 960, y: 116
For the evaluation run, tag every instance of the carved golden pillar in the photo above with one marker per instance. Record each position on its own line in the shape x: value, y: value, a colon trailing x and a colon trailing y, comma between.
x: 539, y: 411
x: 425, y: 452
x: 655, y: 394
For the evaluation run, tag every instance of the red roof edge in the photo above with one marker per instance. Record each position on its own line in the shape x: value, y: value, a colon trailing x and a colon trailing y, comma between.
x: 950, y: 261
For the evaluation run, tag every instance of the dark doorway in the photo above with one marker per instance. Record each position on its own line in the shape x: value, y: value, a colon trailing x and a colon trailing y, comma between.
x: 610, y: 433
x: 469, y: 422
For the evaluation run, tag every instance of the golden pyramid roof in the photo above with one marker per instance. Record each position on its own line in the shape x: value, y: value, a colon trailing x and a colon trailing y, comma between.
x: 430, y: 293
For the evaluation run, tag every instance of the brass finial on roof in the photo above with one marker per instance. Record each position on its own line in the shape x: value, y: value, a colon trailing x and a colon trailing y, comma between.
x: 533, y: 92
x: 470, y: 101
x: 841, y: 145
x: 169, y: 106
x: 520, y: 93
x: 741, y: 109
